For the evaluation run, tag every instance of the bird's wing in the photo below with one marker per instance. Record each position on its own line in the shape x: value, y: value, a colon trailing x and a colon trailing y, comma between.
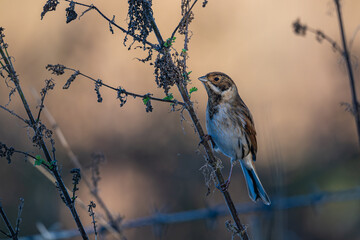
x: 249, y: 128
x: 250, y: 135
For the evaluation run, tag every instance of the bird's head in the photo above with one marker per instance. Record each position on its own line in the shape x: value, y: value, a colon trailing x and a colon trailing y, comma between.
x: 219, y: 84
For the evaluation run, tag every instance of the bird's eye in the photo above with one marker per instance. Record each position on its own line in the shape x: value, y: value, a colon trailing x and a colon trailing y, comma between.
x: 216, y: 79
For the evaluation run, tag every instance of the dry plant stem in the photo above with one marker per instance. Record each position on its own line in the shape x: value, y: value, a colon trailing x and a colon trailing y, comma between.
x: 54, y: 170
x: 334, y: 44
x: 13, y: 113
x: 113, y: 23
x: 126, y: 92
x: 350, y: 71
x: 183, y: 19
x: 8, y: 225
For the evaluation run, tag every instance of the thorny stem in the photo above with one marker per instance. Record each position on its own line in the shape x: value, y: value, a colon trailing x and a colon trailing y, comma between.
x: 350, y: 71
x: 124, y: 91
x: 54, y: 170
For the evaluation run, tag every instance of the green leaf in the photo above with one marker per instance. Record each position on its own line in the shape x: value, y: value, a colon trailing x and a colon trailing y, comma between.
x: 189, y: 73
x: 169, y: 97
x: 193, y: 89
x: 38, y: 160
x: 184, y: 50
x: 146, y: 100
x: 169, y: 42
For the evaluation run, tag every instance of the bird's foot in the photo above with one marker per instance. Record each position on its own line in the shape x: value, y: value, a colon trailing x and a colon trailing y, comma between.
x: 206, y: 138
x: 223, y: 187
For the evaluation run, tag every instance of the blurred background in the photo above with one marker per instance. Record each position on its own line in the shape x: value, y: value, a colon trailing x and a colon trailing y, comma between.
x: 293, y: 85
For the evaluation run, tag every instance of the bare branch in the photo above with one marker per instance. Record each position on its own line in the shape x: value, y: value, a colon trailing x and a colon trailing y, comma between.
x: 113, y: 23
x: 18, y: 219
x: 121, y: 90
x: 7, y: 223
x: 302, y: 29
x: 183, y: 19
x: 14, y: 114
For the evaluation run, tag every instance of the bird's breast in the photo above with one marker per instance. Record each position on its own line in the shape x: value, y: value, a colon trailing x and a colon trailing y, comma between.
x: 225, y: 128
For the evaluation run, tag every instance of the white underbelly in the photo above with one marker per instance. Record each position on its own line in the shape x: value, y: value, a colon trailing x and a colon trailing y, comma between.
x: 226, y: 133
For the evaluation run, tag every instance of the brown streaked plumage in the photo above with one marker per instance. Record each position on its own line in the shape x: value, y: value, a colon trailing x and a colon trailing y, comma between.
x: 232, y: 130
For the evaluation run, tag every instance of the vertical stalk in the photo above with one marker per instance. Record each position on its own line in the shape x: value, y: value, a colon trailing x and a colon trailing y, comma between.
x: 355, y: 103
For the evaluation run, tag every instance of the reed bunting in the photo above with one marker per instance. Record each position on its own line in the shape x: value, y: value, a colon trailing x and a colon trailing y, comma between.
x: 231, y: 130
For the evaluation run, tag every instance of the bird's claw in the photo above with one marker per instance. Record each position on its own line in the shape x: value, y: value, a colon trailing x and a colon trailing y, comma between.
x: 205, y: 138
x: 223, y: 187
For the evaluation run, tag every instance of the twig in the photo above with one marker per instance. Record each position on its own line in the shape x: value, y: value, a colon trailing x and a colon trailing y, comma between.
x: 302, y: 29
x: 18, y: 219
x: 14, y: 114
x: 278, y: 204
x: 126, y: 92
x: 350, y: 71
x: 321, y: 35
x: 7, y: 223
x: 113, y: 23
x: 92, y: 205
x: 183, y: 19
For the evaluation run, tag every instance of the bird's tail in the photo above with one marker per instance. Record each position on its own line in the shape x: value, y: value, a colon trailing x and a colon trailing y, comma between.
x: 254, y: 186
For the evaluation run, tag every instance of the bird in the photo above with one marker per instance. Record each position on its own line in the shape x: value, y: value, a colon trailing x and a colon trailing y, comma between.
x: 231, y: 130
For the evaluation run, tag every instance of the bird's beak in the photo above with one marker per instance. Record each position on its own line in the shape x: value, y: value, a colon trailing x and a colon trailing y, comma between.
x: 203, y: 79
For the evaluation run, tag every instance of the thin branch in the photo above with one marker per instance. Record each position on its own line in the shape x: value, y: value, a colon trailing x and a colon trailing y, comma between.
x: 7, y: 223
x: 301, y: 29
x: 7, y: 235
x: 183, y: 19
x: 18, y: 219
x: 322, y: 36
x: 279, y: 204
x: 126, y: 92
x: 14, y: 114
x: 114, y: 24
x: 350, y: 71
x: 92, y: 205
